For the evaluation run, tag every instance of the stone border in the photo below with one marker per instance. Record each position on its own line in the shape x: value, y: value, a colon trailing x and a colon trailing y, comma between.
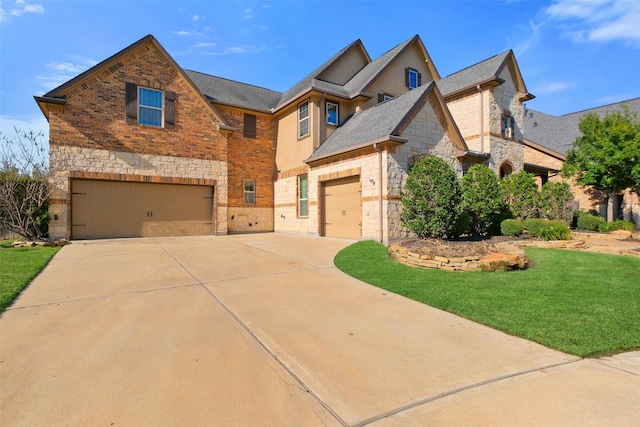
x: 403, y: 255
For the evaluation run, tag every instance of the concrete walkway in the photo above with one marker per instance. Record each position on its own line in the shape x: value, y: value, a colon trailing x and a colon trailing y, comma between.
x: 263, y: 330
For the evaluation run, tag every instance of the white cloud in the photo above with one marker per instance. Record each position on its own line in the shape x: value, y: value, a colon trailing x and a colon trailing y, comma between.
x: 61, y: 72
x: 197, y: 18
x: 204, y: 45
x: 248, y: 13
x: 20, y: 7
x: 597, y: 20
x: 552, y: 87
x: 243, y: 49
x: 182, y: 33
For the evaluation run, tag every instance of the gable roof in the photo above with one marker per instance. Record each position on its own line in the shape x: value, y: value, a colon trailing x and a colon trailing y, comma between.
x: 236, y: 94
x: 558, y: 133
x: 484, y: 72
x: 380, y: 123
x: 56, y: 96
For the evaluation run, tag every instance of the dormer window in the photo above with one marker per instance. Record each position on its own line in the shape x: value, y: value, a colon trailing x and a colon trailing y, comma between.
x: 333, y: 110
x: 412, y: 78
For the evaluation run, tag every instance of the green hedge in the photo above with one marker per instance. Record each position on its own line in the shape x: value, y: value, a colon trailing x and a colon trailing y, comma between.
x: 547, y: 229
x: 618, y: 224
x: 511, y: 227
x: 590, y: 222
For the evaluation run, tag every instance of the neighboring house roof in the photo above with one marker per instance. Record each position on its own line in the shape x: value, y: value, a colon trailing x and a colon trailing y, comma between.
x: 236, y: 94
x: 558, y: 133
x: 483, y: 72
x: 383, y: 122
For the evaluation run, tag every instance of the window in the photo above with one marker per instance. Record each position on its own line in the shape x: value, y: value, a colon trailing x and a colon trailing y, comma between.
x: 412, y: 78
x: 150, y: 107
x: 303, y: 195
x: 249, y: 126
x: 382, y: 97
x: 332, y: 113
x: 508, y: 125
x: 303, y: 119
x: 249, y: 191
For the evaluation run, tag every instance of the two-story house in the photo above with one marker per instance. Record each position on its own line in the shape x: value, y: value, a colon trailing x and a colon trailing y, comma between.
x: 142, y: 147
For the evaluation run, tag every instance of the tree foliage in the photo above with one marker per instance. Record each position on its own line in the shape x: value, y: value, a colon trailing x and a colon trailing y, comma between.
x: 24, y: 184
x: 431, y: 198
x: 520, y: 194
x: 607, y: 155
x: 481, y: 198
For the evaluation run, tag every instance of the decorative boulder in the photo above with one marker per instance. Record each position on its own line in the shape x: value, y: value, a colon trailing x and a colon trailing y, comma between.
x: 502, y: 262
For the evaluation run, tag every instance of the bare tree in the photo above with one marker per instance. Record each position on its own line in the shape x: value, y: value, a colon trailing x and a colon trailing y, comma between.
x: 24, y: 183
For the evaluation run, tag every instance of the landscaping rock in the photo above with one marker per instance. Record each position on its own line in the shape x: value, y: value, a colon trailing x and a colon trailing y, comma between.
x: 622, y: 233
x: 502, y: 262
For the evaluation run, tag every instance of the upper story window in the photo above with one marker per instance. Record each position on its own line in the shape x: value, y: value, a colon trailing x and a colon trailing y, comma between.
x: 249, y: 125
x: 303, y: 119
x: 508, y: 125
x: 382, y: 97
x: 249, y: 187
x: 150, y: 107
x: 412, y: 78
x: 333, y: 110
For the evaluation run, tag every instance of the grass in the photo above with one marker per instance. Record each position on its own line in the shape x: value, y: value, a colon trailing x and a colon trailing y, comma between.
x: 18, y: 266
x: 580, y: 303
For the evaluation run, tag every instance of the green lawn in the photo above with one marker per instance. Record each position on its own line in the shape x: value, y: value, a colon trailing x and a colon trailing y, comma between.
x: 581, y: 303
x: 18, y: 266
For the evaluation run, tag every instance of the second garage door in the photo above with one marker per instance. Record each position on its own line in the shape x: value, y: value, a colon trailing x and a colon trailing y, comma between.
x: 109, y: 209
x: 342, y: 211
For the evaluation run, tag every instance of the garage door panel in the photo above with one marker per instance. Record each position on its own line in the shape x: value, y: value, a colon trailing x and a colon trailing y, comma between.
x: 342, y: 208
x: 109, y: 209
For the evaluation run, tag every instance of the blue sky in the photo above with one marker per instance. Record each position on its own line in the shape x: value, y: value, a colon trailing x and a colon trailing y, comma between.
x: 573, y: 54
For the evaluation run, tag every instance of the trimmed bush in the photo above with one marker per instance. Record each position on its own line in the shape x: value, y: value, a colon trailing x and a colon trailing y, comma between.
x: 520, y: 194
x: 590, y: 222
x: 618, y: 224
x: 511, y: 227
x: 556, y: 201
x: 481, y: 198
x: 431, y: 198
x: 533, y: 226
x: 554, y: 230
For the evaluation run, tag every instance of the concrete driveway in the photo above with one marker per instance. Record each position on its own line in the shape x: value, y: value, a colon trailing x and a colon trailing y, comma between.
x: 263, y: 330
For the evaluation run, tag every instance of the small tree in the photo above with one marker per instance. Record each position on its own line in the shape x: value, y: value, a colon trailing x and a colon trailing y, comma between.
x: 556, y: 202
x: 431, y: 198
x: 481, y: 198
x: 520, y: 194
x: 607, y: 155
x: 24, y: 184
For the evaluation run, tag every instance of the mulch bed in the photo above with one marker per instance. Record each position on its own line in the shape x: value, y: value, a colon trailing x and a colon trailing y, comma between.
x: 457, y: 248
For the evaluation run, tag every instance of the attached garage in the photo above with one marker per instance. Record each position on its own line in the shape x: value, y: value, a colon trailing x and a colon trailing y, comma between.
x: 342, y: 208
x: 110, y: 209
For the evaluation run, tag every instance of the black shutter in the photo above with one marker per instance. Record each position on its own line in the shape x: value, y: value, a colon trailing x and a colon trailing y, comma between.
x: 419, y: 79
x: 131, y: 105
x: 249, y: 126
x: 406, y: 77
x: 169, y: 109
x: 380, y: 97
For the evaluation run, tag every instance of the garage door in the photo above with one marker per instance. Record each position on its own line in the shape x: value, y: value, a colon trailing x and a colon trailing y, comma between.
x: 342, y: 208
x: 108, y: 209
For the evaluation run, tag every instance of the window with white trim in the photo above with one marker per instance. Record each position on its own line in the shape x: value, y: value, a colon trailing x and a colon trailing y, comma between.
x: 249, y: 186
x: 412, y: 78
x: 149, y: 107
x: 333, y: 111
x: 303, y: 119
x: 303, y: 195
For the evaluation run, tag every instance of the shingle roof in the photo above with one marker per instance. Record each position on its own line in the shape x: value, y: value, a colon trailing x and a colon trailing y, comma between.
x: 370, y: 125
x: 558, y: 133
x: 234, y: 93
x: 482, y: 71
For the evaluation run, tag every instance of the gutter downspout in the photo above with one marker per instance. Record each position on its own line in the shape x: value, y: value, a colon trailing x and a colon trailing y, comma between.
x: 481, y: 120
x: 380, y: 212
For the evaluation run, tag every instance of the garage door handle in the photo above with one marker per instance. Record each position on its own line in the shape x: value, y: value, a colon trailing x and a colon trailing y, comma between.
x: 149, y: 213
x: 327, y: 223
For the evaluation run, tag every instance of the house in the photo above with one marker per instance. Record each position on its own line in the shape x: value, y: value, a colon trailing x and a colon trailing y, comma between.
x: 141, y: 147
x: 547, y: 139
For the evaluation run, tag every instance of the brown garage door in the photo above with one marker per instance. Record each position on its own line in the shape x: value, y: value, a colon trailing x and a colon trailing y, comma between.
x: 108, y: 209
x: 342, y: 208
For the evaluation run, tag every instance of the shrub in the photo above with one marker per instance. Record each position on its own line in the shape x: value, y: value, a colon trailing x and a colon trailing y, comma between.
x: 431, y: 198
x: 520, y: 194
x: 555, y: 201
x: 533, y: 226
x: 618, y: 224
x: 554, y: 230
x: 462, y: 225
x: 511, y: 227
x: 481, y: 198
x: 589, y: 222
